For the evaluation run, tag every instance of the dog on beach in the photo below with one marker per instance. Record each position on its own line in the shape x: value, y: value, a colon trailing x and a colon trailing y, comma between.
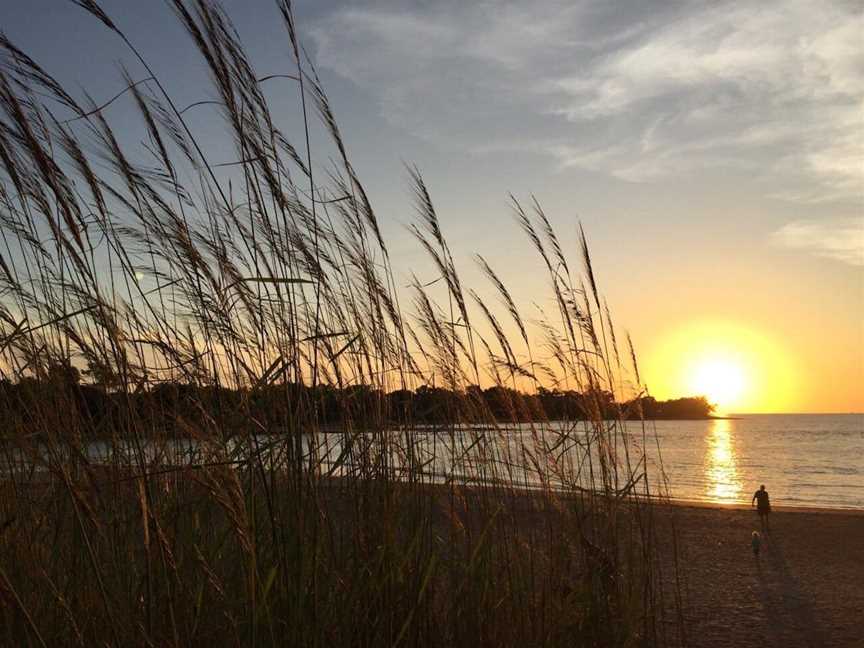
x: 756, y: 542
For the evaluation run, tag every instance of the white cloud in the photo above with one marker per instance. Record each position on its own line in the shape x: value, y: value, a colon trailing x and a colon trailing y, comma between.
x: 641, y: 92
x: 841, y: 239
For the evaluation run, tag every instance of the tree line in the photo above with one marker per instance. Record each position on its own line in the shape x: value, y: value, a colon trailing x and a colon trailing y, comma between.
x: 169, y: 406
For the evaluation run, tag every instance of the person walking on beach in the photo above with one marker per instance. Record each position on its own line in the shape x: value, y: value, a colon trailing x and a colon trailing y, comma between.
x: 763, y: 507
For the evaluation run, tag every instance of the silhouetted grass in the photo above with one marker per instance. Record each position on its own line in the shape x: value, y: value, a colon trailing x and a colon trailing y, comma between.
x: 153, y: 264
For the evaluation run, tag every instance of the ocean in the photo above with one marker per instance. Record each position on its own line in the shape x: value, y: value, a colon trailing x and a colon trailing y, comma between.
x: 803, y: 459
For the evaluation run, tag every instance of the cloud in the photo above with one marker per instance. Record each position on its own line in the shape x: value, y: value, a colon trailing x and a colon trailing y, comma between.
x: 643, y: 91
x: 841, y: 239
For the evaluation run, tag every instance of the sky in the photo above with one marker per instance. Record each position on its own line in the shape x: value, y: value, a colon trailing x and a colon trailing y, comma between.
x: 711, y: 150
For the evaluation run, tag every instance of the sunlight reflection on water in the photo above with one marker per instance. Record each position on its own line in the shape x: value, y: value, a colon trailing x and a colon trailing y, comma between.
x: 721, y: 472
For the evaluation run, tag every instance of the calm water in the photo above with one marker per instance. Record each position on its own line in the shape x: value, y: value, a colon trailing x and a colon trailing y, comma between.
x: 803, y: 459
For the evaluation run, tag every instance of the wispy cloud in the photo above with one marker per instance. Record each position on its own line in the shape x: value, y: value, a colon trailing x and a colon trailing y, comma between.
x: 642, y: 92
x: 841, y: 239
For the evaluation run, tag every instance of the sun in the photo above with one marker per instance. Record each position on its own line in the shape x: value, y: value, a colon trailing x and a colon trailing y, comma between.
x: 736, y: 367
x: 722, y: 382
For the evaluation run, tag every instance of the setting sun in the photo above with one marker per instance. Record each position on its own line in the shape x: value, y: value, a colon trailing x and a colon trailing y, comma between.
x: 721, y: 381
x: 735, y: 367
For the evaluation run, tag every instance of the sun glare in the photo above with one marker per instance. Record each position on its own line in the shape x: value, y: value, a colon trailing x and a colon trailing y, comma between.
x: 721, y: 381
x: 735, y: 367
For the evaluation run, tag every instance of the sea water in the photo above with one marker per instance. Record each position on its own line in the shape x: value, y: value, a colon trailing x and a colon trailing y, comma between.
x: 803, y: 459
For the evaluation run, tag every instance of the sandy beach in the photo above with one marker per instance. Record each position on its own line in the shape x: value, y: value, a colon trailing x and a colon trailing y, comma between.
x: 807, y: 588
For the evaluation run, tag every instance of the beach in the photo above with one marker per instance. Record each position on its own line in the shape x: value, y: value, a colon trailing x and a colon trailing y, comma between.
x: 807, y: 588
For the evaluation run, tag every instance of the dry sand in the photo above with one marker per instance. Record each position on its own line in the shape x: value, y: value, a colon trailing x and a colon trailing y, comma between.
x: 806, y: 589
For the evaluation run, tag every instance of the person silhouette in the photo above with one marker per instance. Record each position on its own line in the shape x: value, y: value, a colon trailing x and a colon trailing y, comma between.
x: 763, y: 507
x: 755, y: 542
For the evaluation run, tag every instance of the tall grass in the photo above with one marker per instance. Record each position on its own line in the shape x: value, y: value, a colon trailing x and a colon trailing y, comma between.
x: 268, y: 280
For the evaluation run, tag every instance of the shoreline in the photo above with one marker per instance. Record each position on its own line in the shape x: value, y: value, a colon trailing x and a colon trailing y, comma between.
x: 175, y: 471
x: 783, y: 508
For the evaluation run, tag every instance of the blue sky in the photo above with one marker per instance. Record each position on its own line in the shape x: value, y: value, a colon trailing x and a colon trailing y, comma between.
x: 712, y: 150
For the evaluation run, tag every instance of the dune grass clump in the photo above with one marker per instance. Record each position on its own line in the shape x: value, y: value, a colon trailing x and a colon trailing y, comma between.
x: 171, y: 332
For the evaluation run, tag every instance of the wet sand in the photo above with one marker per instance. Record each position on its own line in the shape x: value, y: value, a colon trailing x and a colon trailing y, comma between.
x: 806, y: 589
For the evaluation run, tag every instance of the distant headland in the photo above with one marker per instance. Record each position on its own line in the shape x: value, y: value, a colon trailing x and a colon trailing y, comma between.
x: 169, y: 402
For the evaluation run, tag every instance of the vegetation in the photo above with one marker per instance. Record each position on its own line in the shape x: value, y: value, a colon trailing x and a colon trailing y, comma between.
x: 165, y: 402
x: 265, y: 288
